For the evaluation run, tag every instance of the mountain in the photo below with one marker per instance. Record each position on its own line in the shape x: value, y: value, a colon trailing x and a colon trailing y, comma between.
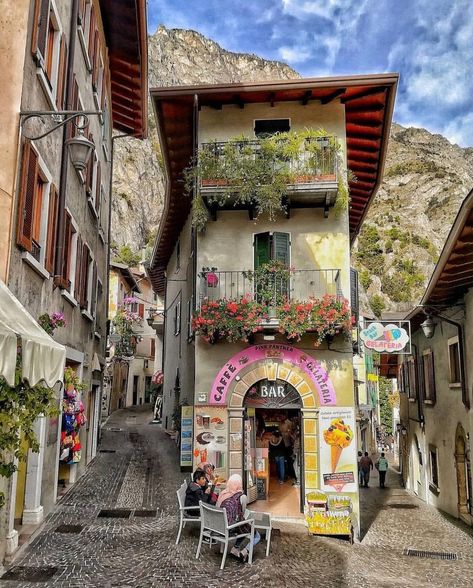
x: 425, y: 180
x: 176, y: 57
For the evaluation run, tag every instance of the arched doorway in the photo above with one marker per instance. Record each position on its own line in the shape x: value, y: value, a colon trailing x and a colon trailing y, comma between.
x: 463, y: 472
x: 272, y: 425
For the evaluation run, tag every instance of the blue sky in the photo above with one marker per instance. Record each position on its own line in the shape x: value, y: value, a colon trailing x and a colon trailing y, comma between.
x: 429, y: 42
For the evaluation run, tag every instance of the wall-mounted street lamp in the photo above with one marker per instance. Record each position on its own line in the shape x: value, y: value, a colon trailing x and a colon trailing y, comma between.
x: 79, y: 147
x: 401, y: 429
x: 428, y: 327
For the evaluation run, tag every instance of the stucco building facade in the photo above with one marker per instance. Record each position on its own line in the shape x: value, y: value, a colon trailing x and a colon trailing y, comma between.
x: 436, y: 381
x: 235, y: 393
x: 64, y: 57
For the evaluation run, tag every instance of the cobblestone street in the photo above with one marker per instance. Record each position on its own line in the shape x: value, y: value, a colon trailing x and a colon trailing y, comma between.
x: 136, y: 470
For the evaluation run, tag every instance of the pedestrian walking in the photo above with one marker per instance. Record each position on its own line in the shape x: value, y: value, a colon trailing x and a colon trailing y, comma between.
x: 360, y: 477
x: 366, y: 465
x: 277, y: 453
x: 382, y: 467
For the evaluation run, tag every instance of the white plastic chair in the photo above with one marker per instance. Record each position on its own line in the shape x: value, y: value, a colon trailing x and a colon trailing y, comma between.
x: 184, y: 517
x: 262, y: 521
x: 214, y: 526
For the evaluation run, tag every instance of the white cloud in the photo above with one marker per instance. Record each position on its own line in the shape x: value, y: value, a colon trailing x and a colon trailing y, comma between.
x: 438, y: 70
x: 338, y: 20
x: 460, y: 130
x: 294, y: 55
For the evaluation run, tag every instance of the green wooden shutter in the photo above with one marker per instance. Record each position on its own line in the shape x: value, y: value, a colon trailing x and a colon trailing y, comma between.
x: 280, y: 249
x: 262, y: 249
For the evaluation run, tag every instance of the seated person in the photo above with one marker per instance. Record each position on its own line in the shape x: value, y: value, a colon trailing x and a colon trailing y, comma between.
x: 197, y: 490
x: 229, y: 499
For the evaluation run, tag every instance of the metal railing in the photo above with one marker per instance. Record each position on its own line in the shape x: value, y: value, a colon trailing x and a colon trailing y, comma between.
x: 36, y: 250
x: 308, y: 166
x: 301, y: 285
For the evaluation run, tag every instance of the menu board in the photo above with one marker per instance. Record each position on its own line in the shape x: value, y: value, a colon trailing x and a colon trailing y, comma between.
x: 211, y: 438
x: 338, y: 449
x: 186, y: 436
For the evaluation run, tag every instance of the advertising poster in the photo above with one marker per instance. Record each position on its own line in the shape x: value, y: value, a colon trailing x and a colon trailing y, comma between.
x: 338, y: 449
x: 186, y: 436
x: 210, y: 438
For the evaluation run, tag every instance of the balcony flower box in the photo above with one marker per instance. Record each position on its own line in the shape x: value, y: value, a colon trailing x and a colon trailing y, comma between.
x: 239, y: 319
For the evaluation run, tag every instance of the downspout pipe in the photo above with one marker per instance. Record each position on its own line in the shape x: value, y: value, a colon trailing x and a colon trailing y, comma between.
x: 59, y: 259
x: 461, y: 353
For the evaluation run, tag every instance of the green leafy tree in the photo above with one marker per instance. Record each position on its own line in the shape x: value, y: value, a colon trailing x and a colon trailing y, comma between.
x: 377, y: 305
x: 126, y: 255
x: 385, y: 407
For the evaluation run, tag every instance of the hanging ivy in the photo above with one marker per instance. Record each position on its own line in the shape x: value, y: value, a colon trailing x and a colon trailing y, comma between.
x: 20, y: 406
x: 257, y: 173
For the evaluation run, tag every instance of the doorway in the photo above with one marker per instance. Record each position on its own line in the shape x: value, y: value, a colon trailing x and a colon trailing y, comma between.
x: 273, y: 469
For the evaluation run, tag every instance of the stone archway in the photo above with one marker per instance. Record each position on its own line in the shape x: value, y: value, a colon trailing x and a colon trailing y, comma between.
x: 310, y: 401
x: 461, y: 470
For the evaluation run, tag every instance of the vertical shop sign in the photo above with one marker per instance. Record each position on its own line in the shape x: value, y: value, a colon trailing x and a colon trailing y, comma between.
x: 210, y: 438
x: 186, y: 436
x: 337, y: 449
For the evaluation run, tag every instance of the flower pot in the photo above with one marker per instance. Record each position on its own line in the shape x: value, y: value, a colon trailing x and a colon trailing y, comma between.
x: 212, y: 280
x: 272, y: 314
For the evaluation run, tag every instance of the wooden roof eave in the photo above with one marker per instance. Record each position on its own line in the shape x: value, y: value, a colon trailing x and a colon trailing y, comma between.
x: 374, y: 132
x: 449, y: 247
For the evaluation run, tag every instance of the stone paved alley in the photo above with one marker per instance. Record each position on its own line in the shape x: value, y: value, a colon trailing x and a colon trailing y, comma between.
x: 142, y: 475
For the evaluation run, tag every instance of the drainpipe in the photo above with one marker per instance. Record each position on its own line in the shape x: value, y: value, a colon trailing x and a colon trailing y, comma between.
x: 64, y: 160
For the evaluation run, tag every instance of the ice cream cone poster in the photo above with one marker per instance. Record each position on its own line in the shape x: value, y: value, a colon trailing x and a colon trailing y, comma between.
x: 337, y: 449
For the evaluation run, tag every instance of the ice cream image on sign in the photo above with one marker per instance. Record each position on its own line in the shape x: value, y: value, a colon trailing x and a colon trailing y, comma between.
x: 338, y: 436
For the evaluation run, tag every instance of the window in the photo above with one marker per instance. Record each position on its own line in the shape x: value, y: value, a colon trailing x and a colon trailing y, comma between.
x: 454, y: 361
x: 105, y: 127
x: 67, y: 280
x: 37, y: 210
x: 271, y: 246
x: 412, y: 379
x: 267, y: 127
x: 434, y: 472
x: 49, y: 49
x: 94, y: 185
x: 177, y: 318
x: 190, y: 308
x: 429, y: 376
x: 83, y: 21
x: 153, y: 348
x: 178, y: 255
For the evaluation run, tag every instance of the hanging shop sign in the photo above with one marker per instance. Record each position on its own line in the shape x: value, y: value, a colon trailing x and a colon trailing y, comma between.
x: 337, y: 447
x: 186, y: 436
x: 387, y: 337
x: 309, y: 368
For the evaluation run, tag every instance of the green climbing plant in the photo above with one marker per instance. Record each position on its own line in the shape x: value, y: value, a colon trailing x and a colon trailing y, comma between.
x: 258, y: 173
x: 20, y: 406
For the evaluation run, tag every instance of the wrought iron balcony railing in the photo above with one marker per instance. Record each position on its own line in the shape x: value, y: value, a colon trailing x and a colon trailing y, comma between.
x: 301, y: 285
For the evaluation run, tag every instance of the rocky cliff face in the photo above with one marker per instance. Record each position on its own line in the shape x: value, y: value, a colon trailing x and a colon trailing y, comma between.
x: 176, y: 57
x: 426, y: 177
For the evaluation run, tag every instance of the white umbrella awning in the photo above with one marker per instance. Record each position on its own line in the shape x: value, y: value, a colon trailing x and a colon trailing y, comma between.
x: 43, y: 359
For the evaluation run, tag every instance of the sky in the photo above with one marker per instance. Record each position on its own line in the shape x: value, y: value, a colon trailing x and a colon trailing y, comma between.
x: 429, y: 42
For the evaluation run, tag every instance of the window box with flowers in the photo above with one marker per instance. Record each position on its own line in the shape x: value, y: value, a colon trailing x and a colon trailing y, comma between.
x: 239, y: 319
x: 230, y: 319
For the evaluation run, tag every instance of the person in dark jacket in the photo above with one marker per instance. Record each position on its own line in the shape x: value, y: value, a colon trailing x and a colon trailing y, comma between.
x: 197, y: 490
x: 277, y: 453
